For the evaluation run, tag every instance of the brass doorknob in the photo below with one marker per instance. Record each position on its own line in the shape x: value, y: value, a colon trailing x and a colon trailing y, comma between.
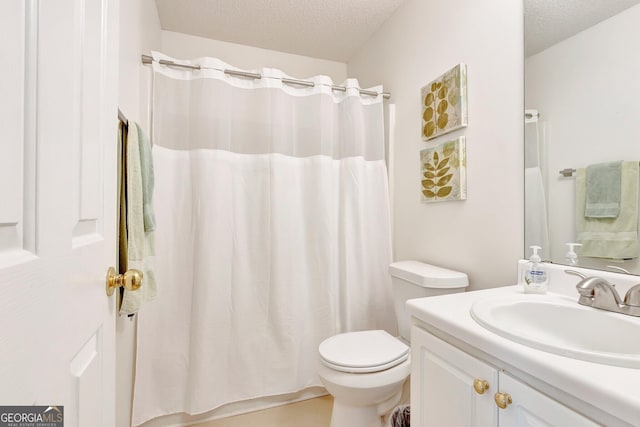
x: 480, y: 386
x: 130, y: 280
x: 502, y: 400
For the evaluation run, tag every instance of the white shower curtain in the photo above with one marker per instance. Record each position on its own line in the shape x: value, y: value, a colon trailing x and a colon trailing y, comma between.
x: 272, y: 234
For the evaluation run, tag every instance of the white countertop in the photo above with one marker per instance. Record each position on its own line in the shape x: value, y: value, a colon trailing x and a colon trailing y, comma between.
x: 612, y: 389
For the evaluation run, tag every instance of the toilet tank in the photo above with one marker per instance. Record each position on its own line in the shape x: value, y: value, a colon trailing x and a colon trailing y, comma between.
x: 415, y: 279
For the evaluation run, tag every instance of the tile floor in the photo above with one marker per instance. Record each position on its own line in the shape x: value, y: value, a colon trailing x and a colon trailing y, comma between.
x: 308, y: 413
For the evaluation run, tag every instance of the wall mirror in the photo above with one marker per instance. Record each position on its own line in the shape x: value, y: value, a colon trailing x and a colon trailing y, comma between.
x: 582, y: 107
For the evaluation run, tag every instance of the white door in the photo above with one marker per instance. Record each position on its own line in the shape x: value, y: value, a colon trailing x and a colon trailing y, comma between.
x: 449, y: 387
x: 530, y: 408
x: 58, y: 110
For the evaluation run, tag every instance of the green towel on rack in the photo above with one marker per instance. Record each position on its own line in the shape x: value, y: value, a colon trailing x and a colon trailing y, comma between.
x: 140, y: 243
x: 146, y: 166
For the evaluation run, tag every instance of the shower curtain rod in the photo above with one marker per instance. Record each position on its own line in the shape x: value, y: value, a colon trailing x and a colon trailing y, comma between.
x: 146, y: 59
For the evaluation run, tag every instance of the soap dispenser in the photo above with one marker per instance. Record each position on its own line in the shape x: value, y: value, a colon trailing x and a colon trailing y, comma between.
x: 535, y: 277
x: 572, y: 257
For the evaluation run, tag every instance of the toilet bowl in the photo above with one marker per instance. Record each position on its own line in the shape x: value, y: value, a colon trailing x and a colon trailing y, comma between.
x: 364, y: 371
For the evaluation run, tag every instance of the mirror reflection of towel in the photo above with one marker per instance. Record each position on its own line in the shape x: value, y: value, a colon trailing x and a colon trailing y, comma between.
x: 613, y: 238
x: 603, y: 190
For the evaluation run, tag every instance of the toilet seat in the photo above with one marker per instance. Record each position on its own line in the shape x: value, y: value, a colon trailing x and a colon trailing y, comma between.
x: 363, y: 352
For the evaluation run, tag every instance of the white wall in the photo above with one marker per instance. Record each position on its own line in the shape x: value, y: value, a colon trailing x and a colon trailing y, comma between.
x: 139, y: 33
x: 586, y: 90
x: 183, y: 46
x: 482, y: 236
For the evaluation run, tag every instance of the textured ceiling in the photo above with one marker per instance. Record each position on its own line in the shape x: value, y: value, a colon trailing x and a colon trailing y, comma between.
x: 335, y: 29
x: 328, y: 29
x: 547, y: 22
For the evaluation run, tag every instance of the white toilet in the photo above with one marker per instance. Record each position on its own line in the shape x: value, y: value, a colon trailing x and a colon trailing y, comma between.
x: 364, y: 371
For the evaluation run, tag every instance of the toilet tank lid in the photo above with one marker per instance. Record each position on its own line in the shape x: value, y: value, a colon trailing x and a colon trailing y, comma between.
x: 428, y: 276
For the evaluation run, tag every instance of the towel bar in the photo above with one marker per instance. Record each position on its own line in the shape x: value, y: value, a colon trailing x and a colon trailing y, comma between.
x: 567, y: 172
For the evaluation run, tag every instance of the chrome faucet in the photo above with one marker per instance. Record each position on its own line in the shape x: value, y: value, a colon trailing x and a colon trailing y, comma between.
x: 596, y: 292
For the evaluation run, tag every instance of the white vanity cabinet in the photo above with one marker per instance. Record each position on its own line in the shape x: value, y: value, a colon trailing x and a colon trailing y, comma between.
x: 442, y: 385
x: 530, y: 408
x: 452, y: 388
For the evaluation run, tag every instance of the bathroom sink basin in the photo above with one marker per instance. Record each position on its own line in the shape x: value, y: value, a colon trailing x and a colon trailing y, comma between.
x: 560, y: 325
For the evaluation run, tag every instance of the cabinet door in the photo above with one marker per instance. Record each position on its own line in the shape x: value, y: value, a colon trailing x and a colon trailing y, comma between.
x: 442, y: 385
x: 530, y: 408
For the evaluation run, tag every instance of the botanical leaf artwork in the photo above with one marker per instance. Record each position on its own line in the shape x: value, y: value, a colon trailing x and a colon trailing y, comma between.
x: 444, y: 103
x: 444, y: 171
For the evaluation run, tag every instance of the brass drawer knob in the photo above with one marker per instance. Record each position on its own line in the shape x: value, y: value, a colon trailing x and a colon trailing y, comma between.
x: 131, y: 280
x: 502, y: 400
x: 480, y: 386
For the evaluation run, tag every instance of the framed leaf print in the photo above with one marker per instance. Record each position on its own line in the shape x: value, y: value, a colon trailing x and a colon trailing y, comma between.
x: 444, y: 103
x: 444, y: 170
